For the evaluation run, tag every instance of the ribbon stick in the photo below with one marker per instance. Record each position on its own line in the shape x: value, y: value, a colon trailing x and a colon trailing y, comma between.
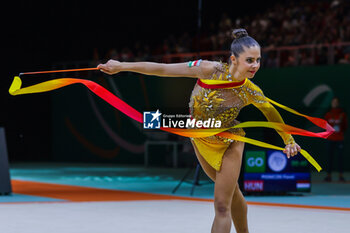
x: 57, y: 71
x: 119, y: 104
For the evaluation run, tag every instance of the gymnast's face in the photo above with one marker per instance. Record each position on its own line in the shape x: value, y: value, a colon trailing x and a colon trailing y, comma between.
x: 248, y: 62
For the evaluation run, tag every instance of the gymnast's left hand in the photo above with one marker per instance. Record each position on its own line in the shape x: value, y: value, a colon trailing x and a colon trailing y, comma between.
x: 291, y: 150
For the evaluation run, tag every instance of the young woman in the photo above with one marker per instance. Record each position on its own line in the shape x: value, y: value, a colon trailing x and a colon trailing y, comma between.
x: 220, y: 157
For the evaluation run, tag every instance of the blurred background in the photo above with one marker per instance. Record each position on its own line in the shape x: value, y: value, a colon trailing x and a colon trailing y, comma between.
x: 70, y: 147
x: 305, y: 63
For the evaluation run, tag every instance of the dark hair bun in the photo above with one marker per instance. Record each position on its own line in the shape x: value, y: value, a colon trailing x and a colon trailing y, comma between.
x: 239, y: 33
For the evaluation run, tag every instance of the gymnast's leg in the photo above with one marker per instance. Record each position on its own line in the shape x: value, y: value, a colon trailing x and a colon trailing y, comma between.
x: 239, y: 211
x: 209, y: 170
x: 228, y: 200
x: 225, y: 186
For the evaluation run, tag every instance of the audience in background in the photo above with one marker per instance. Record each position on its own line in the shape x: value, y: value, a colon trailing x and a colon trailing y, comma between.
x: 287, y: 24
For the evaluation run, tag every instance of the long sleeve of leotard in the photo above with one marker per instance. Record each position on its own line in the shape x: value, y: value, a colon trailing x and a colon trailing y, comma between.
x: 269, y: 111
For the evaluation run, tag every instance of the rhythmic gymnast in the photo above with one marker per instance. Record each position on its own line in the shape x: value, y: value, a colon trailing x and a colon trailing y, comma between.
x: 221, y: 92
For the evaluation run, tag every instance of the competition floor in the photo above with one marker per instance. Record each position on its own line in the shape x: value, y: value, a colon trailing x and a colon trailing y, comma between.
x: 75, y: 198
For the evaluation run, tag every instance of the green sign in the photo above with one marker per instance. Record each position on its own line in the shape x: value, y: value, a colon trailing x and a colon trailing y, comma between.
x: 255, y: 161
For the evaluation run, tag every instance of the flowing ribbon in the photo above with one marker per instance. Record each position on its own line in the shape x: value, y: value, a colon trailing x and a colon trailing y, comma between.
x: 119, y: 104
x: 317, y: 121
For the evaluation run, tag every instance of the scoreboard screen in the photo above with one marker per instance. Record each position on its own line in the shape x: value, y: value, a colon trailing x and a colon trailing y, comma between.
x: 271, y: 171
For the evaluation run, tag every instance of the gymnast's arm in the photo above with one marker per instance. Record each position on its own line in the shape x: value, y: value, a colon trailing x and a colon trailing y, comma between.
x: 160, y: 69
x: 273, y: 115
x: 258, y: 99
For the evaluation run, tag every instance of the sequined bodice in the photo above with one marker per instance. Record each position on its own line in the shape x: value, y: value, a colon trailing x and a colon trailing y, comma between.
x: 223, y: 104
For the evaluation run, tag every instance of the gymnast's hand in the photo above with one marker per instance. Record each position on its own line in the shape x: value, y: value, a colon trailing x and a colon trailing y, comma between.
x: 291, y: 150
x: 111, y: 67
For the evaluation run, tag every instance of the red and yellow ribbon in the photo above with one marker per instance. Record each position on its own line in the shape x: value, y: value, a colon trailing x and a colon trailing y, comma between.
x: 119, y: 104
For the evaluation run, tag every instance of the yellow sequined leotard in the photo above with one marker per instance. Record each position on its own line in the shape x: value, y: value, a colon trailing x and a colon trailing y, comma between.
x: 224, y: 104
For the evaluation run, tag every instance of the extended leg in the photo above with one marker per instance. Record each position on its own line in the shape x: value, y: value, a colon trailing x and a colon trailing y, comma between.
x: 239, y: 210
x: 225, y: 185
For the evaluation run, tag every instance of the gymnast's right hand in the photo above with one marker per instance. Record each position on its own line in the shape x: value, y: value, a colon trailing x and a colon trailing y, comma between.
x: 111, y: 67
